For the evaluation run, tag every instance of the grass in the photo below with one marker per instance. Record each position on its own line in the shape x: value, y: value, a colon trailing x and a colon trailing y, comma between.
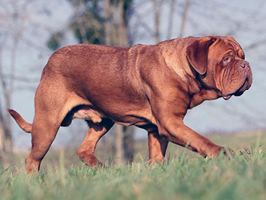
x: 183, y: 176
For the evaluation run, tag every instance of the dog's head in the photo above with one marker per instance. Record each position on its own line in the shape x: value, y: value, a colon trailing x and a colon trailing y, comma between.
x: 219, y: 63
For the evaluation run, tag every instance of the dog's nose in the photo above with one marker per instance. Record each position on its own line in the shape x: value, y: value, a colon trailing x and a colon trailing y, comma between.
x: 244, y: 64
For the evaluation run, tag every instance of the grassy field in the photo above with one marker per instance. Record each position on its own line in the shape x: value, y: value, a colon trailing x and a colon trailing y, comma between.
x: 184, y: 175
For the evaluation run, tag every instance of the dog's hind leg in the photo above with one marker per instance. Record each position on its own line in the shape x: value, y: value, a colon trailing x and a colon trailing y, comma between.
x: 49, y: 105
x: 43, y: 134
x: 96, y: 131
x: 157, y: 146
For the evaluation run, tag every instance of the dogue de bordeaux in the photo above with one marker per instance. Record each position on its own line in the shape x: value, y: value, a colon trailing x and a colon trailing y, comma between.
x: 149, y: 86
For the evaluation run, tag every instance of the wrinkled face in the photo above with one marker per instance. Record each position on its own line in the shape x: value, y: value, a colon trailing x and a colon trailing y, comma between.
x: 231, y: 72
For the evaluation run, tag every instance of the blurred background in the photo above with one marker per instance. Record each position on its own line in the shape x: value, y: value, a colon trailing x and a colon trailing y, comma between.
x: 31, y: 30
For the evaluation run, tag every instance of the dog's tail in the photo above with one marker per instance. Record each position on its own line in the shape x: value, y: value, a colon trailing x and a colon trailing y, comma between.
x: 25, y: 126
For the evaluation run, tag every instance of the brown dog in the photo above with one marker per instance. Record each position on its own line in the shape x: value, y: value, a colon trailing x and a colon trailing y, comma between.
x: 150, y: 86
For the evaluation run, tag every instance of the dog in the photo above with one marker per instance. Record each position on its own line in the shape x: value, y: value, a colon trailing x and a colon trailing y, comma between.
x: 149, y: 86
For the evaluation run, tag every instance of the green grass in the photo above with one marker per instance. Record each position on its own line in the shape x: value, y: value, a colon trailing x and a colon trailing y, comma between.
x: 183, y: 176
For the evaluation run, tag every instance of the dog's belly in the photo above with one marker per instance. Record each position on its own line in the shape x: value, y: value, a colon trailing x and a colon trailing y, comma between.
x: 125, y: 112
x: 88, y: 114
x: 126, y: 116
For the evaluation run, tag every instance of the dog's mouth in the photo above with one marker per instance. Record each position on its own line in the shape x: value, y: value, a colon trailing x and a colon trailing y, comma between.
x: 227, y: 96
x: 245, y: 86
x: 237, y: 93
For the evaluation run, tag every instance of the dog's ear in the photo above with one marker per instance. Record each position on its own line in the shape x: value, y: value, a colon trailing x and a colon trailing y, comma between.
x: 197, y: 54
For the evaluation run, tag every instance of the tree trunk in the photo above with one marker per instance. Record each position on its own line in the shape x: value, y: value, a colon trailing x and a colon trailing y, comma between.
x: 122, y: 26
x: 128, y: 143
x: 2, y: 142
x: 119, y: 157
x: 6, y: 144
x: 184, y: 19
x: 157, y: 9
x: 170, y: 19
x: 124, y: 145
x: 107, y: 28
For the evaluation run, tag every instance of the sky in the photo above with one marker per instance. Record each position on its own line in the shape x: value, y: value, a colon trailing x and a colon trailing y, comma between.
x: 243, y: 19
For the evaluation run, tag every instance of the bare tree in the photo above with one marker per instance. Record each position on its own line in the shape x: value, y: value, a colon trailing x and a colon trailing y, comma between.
x: 10, y: 35
x: 170, y: 18
x: 184, y: 18
x: 157, y: 6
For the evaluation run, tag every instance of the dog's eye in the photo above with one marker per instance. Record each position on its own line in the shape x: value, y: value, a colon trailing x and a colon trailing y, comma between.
x: 226, y: 60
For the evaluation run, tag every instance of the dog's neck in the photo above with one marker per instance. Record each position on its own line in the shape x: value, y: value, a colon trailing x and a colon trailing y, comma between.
x: 201, y: 96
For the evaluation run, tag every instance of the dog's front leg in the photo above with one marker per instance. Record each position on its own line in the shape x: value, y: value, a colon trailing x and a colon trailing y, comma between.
x: 175, y: 131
